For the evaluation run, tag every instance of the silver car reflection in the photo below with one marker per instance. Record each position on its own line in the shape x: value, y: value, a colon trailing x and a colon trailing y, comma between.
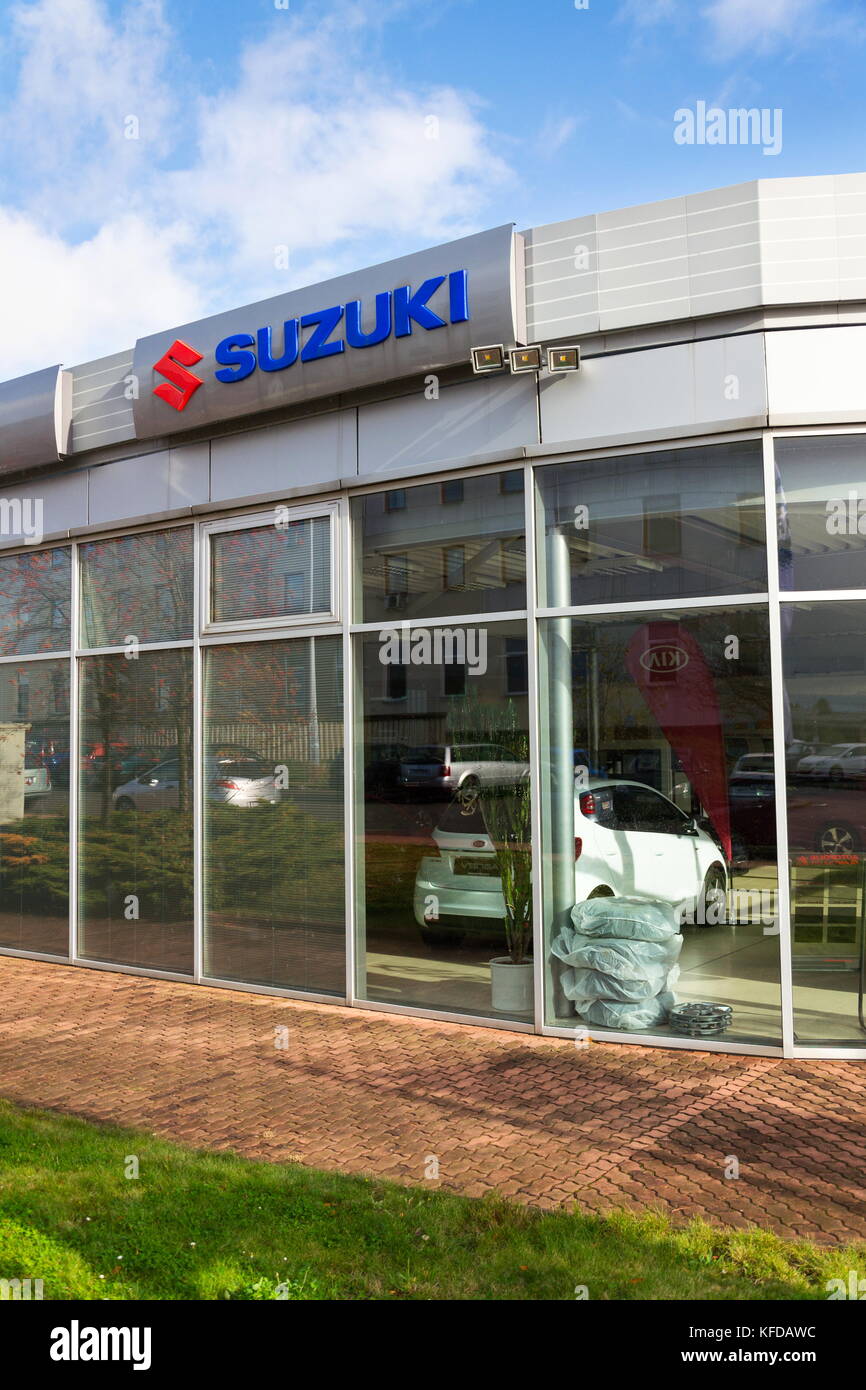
x: 238, y: 780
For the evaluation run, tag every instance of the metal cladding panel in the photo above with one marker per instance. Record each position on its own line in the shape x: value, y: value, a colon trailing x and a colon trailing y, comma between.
x: 688, y: 388
x: 34, y: 415
x: 495, y: 316
x: 297, y: 453
x: 63, y: 501
x: 476, y: 417
x: 101, y: 402
x: 815, y: 376
x: 770, y: 241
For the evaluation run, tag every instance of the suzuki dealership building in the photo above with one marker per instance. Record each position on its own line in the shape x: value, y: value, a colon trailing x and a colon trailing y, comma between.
x: 481, y: 635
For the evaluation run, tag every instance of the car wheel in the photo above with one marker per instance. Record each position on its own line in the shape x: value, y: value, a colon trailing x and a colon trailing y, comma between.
x: 601, y: 892
x: 838, y: 838
x: 124, y: 803
x: 835, y: 774
x: 434, y: 936
x: 713, y: 901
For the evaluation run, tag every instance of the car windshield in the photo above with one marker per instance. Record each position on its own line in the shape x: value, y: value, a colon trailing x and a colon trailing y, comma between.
x: 426, y: 754
x: 248, y: 766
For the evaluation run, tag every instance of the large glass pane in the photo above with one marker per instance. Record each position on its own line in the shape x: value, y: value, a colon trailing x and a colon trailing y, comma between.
x: 137, y: 589
x: 825, y: 710
x: 443, y: 834
x: 660, y: 879
x: 135, y: 810
x: 274, y: 571
x: 821, y: 493
x: 677, y: 523
x: 34, y: 806
x: 441, y: 548
x: 35, y: 589
x: 273, y: 803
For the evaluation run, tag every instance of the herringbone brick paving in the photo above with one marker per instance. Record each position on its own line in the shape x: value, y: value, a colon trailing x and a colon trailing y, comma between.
x: 536, y: 1119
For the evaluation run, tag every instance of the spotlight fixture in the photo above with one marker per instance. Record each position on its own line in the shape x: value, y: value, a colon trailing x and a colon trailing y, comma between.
x: 563, y: 359
x: 526, y: 359
x: 488, y: 359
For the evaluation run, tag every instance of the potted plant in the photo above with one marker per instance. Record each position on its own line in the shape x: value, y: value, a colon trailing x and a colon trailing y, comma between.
x: 506, y: 811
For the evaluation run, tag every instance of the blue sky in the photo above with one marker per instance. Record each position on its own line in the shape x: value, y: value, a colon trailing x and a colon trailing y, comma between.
x: 161, y: 162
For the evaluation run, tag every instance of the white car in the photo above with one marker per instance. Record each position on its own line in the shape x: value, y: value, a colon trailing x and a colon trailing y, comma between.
x: 238, y: 779
x: 841, y: 761
x: 629, y: 841
x: 446, y: 768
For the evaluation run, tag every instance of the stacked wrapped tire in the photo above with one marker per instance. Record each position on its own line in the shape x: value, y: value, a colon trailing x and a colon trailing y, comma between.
x: 619, y: 961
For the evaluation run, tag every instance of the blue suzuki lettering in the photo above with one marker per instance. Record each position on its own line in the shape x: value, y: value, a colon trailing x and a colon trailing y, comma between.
x: 317, y: 344
x: 355, y: 336
x: 267, y: 361
x: 409, y: 307
x: 238, y: 363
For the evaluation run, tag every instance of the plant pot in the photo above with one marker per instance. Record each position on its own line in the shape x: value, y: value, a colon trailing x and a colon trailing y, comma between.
x: 511, y: 987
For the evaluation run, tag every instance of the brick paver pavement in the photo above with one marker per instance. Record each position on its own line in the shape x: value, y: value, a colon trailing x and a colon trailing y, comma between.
x: 534, y: 1118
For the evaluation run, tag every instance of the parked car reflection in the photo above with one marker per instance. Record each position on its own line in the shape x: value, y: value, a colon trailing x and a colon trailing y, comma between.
x: 446, y: 768
x: 235, y: 778
x: 840, y: 762
x: 630, y: 840
x: 826, y: 819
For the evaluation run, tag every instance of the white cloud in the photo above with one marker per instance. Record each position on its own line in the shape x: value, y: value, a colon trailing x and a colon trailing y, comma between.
x: 81, y: 79
x: 647, y: 12
x: 65, y: 301
x: 760, y: 25
x: 112, y: 237
x: 556, y: 132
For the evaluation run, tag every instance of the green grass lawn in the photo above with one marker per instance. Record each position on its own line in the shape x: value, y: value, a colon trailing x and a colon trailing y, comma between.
x: 209, y: 1226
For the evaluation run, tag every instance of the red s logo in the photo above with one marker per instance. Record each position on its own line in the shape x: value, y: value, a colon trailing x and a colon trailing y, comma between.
x: 173, y: 365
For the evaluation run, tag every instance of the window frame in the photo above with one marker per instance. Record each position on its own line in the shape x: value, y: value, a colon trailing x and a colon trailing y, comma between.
x: 251, y: 521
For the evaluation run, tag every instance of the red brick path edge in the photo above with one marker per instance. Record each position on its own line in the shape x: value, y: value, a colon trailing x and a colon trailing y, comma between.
x: 535, y: 1119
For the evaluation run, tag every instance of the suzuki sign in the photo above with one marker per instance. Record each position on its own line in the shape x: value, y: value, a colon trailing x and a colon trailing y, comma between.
x: 406, y: 317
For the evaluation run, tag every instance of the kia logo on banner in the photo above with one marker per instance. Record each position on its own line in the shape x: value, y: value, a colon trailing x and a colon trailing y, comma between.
x: 663, y: 657
x: 671, y: 672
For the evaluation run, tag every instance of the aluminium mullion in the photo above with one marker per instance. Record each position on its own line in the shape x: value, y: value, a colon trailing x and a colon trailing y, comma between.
x: 658, y: 605
x: 197, y: 771
x: 293, y: 634
x: 538, y: 950
x: 444, y: 620
x: 74, y: 749
x: 777, y: 689
x: 140, y: 647
x: 349, y: 752
x: 18, y: 657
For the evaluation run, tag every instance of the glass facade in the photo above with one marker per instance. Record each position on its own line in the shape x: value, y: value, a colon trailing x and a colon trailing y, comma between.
x: 572, y: 747
x: 272, y: 790
x: 135, y: 809
x: 443, y: 756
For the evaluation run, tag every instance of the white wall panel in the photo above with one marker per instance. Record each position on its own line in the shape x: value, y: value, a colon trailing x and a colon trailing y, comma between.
x: 691, y: 388
x: 296, y: 454
x: 816, y: 376
x: 479, y: 417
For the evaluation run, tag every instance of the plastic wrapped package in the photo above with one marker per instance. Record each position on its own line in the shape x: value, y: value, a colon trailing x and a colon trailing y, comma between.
x: 623, y: 960
x: 634, y: 919
x: 592, y: 984
x: 631, y: 1018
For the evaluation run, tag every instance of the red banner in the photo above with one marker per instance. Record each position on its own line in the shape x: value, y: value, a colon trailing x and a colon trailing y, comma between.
x: 671, y: 673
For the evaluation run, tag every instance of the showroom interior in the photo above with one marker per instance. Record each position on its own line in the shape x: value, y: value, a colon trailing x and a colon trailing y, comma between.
x: 523, y: 697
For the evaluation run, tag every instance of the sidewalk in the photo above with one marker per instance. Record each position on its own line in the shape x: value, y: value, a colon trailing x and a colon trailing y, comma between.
x: 536, y: 1119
